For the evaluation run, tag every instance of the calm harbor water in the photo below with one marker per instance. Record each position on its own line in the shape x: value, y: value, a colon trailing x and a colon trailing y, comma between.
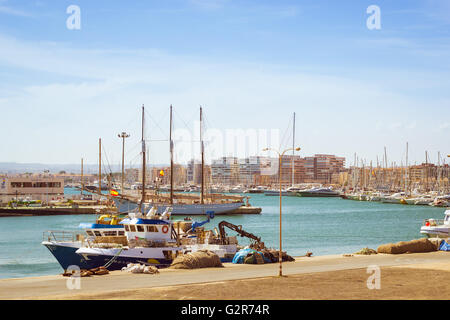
x: 320, y: 225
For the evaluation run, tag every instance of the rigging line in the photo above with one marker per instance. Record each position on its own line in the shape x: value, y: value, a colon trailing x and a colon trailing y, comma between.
x: 179, y: 116
x: 284, y: 144
x: 156, y: 123
x: 107, y: 160
x: 139, y: 143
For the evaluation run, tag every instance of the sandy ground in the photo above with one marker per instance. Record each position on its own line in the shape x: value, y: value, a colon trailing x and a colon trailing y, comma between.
x: 395, y: 283
x: 410, y: 276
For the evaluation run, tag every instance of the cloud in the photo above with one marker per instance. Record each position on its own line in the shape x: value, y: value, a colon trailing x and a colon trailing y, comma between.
x: 13, y: 12
x: 95, y: 93
x: 208, y: 4
x: 444, y: 126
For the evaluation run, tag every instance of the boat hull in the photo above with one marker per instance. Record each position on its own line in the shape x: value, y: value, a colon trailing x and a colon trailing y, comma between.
x: 116, y: 259
x: 317, y: 194
x: 182, y: 209
x: 438, y: 231
x: 65, y: 254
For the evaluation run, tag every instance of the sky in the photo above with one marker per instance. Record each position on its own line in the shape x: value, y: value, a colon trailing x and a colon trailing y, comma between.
x: 250, y: 64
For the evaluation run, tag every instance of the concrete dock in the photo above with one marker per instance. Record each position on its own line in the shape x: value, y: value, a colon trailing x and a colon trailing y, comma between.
x: 120, y: 284
x: 49, y: 211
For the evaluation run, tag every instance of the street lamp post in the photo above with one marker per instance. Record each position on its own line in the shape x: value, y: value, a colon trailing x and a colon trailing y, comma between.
x: 280, y: 156
x: 123, y: 135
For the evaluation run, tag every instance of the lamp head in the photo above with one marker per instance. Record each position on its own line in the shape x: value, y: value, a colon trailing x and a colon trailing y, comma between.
x: 297, y: 149
x: 265, y: 149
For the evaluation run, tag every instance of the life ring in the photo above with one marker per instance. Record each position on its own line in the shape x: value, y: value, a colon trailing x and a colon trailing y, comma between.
x: 165, y: 229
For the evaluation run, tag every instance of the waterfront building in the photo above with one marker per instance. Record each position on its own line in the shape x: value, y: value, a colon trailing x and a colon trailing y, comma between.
x: 33, y: 187
x: 294, y: 170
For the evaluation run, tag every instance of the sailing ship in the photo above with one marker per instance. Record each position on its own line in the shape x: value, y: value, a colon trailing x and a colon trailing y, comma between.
x: 181, y: 204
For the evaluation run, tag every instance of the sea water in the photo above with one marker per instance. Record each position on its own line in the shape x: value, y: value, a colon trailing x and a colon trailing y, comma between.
x: 320, y: 225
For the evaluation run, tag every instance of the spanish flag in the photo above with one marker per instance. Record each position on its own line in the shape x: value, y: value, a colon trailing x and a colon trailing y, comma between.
x: 114, y: 193
x: 161, y: 173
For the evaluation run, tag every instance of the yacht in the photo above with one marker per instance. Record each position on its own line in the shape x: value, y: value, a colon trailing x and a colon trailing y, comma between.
x: 319, y: 192
x: 276, y: 193
x: 393, y: 198
x: 258, y: 189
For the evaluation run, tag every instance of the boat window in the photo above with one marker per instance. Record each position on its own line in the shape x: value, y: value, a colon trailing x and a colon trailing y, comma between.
x: 127, y: 228
x: 97, y: 233
x: 152, y: 229
x: 133, y: 228
x: 89, y: 233
x: 110, y: 233
x: 140, y: 228
x: 121, y: 233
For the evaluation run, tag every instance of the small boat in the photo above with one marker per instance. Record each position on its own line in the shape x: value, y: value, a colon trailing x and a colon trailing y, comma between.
x: 319, y: 192
x: 276, y: 193
x: 258, y: 189
x: 440, y: 202
x: 394, y: 198
x: 236, y: 190
x: 433, y: 228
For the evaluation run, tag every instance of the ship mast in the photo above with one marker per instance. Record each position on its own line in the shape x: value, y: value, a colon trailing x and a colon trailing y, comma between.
x: 100, y: 166
x: 203, y: 160
x: 293, y: 150
x: 171, y: 158
x: 143, y: 164
x: 82, y: 184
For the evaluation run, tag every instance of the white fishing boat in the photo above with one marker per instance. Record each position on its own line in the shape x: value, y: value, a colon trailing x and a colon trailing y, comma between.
x: 437, y: 228
x: 156, y: 240
x: 149, y: 240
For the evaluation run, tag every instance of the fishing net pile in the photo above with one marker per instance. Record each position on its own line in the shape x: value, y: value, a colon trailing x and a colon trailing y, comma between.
x: 273, y: 255
x: 413, y: 246
x: 86, y: 272
x: 252, y: 256
x: 139, y: 268
x: 198, y: 259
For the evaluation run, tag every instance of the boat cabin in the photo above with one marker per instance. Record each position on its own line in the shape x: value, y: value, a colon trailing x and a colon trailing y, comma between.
x: 147, y: 229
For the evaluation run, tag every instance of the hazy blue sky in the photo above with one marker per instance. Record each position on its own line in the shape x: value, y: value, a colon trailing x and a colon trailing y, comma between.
x: 249, y: 63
